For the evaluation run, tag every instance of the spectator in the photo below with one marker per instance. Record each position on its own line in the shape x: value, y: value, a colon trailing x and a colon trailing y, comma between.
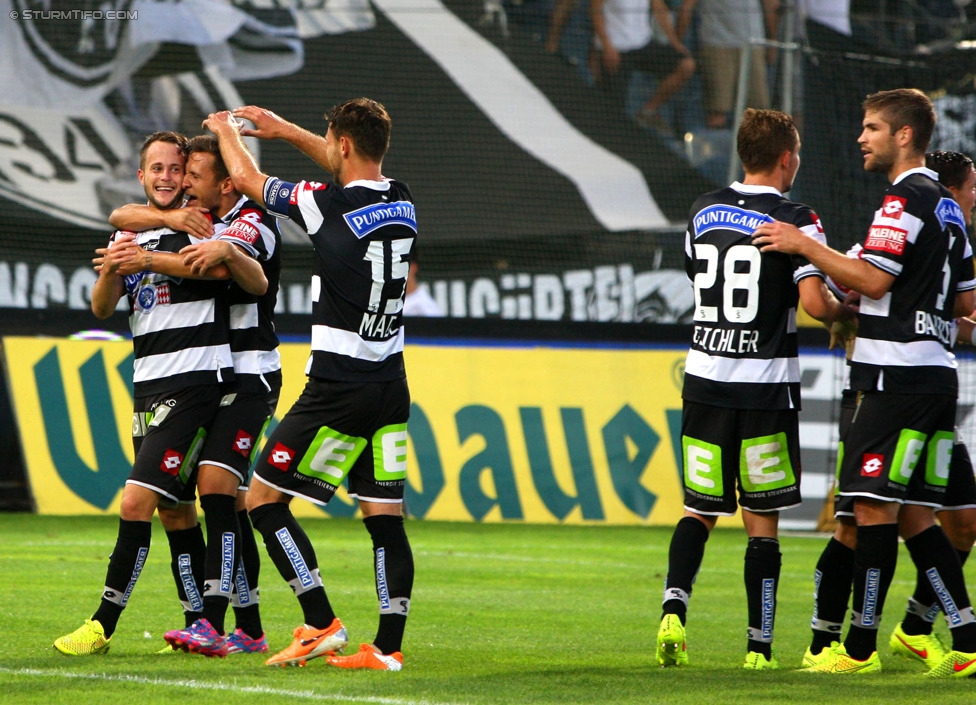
x: 418, y: 301
x: 725, y: 27
x: 622, y: 34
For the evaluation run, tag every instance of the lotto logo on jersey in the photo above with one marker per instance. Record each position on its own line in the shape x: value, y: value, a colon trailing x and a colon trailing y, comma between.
x: 886, y: 239
x: 871, y: 464
x: 816, y: 221
x: 893, y: 207
x: 243, y: 443
x: 281, y: 456
x: 306, y: 186
x: 171, y: 462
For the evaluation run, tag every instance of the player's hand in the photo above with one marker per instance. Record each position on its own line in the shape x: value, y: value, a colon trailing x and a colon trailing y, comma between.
x: 778, y: 236
x: 267, y: 125
x: 192, y: 220
x: 108, y: 259
x: 202, y: 256
x: 843, y: 332
x: 221, y: 121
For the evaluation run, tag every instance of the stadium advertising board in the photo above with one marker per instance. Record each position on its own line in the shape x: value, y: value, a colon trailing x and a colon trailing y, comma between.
x: 541, y: 435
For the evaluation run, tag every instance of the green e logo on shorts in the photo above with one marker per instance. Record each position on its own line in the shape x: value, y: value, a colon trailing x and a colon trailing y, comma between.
x: 703, y: 466
x: 909, y: 451
x: 331, y: 456
x: 764, y: 463
x: 939, y: 458
x: 390, y: 453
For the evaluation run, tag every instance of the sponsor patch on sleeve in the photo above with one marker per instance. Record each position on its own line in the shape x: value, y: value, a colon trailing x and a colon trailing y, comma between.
x: 277, y: 194
x: 886, y: 239
x: 242, y: 230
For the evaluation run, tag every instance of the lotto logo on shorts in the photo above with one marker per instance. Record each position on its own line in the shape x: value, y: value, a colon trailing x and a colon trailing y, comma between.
x: 171, y: 462
x: 893, y: 207
x: 281, y: 456
x: 871, y: 465
x: 243, y: 443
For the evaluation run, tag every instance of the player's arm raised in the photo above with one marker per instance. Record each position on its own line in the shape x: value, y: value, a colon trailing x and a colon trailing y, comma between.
x: 269, y: 125
x: 243, y: 169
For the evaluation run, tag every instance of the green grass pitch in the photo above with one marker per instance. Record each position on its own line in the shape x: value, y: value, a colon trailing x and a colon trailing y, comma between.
x: 501, y: 613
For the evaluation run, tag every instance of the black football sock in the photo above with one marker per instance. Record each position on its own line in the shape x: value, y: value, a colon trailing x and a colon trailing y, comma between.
x: 924, y: 606
x: 762, y: 565
x: 684, y: 560
x: 935, y: 558
x: 832, y: 581
x: 188, y: 553
x: 874, y: 567
x: 247, y: 612
x: 393, y: 562
x: 124, y: 566
x: 223, y: 537
x: 292, y: 553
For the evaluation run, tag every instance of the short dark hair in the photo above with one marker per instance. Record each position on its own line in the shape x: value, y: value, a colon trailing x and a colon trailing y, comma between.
x: 366, y: 123
x: 953, y: 168
x: 763, y: 137
x: 209, y: 144
x: 903, y: 107
x: 162, y: 136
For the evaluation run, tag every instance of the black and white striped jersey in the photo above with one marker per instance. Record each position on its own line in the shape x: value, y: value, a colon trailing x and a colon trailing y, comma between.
x: 904, y: 339
x: 743, y: 351
x: 179, y: 326
x: 363, y: 236
x: 253, y: 341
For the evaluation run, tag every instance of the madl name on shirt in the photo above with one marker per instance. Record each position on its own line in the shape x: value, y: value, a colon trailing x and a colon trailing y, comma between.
x: 732, y: 340
x: 378, y: 326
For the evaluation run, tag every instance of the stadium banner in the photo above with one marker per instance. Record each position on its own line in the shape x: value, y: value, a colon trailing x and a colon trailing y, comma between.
x: 540, y: 435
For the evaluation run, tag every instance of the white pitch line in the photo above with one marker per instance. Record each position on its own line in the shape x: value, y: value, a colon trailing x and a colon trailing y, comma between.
x: 218, y: 686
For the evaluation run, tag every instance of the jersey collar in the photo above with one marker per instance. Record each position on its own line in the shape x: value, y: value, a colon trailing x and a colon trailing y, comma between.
x: 366, y: 183
x: 753, y: 188
x: 917, y: 170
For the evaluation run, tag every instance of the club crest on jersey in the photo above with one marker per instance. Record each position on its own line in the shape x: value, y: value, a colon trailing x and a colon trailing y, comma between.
x: 871, y: 464
x: 893, y: 207
x: 151, y: 295
x: 366, y: 220
x: 886, y: 239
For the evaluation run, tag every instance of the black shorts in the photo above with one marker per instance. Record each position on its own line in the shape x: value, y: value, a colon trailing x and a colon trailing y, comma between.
x: 235, y: 435
x: 899, y: 448
x: 756, y: 453
x: 961, y: 489
x: 168, y: 433
x: 657, y: 59
x: 340, y: 430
